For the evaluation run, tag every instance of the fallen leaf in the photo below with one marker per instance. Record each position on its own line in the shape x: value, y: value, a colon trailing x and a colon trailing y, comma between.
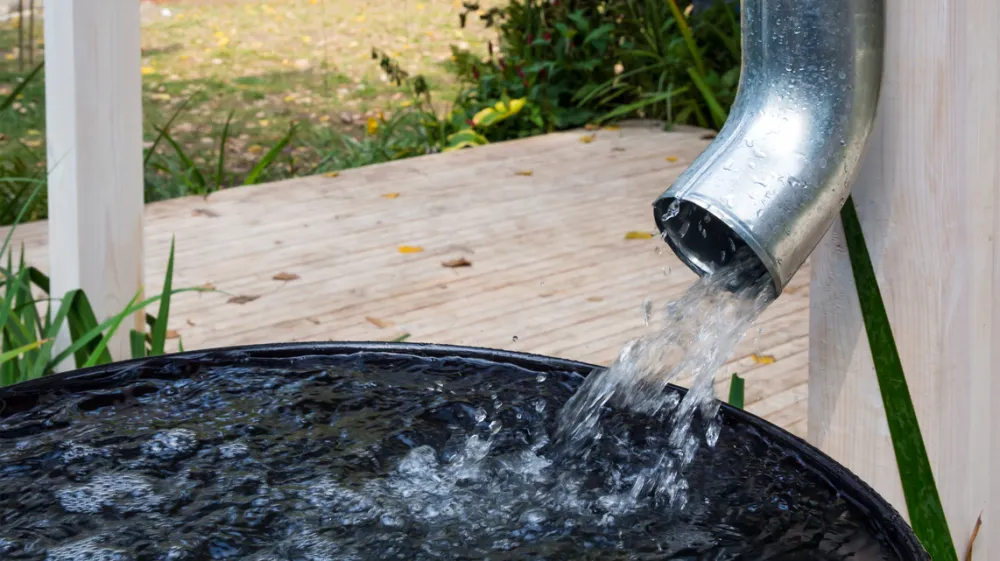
x: 285, y: 277
x: 207, y: 286
x: 401, y: 338
x: 313, y: 321
x: 635, y: 235
x: 547, y: 294
x: 410, y: 249
x: 524, y: 172
x: 595, y: 299
x: 763, y: 359
x: 460, y: 262
x: 588, y: 138
x: 331, y: 174
x: 243, y: 299
x: 204, y: 212
x: 612, y: 128
x: 191, y: 323
x: 972, y: 539
x: 255, y: 149
x: 708, y: 136
x: 147, y: 70
x: 591, y: 127
x: 381, y: 324
x: 171, y: 334
x: 671, y: 158
x: 390, y: 195
x: 617, y: 149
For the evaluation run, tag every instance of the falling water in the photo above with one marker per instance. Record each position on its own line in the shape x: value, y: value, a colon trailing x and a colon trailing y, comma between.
x: 698, y: 333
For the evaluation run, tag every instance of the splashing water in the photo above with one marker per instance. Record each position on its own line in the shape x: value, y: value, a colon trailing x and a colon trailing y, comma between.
x: 699, y: 332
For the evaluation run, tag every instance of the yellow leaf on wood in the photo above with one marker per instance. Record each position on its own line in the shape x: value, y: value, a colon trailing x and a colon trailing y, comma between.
x: 285, y: 277
x: 379, y: 323
x: 763, y: 359
x: 147, y: 70
x: 612, y: 128
x: 595, y: 299
x: 671, y: 158
x: 331, y: 174
x: 243, y: 299
x: 390, y: 195
x: 588, y: 138
x: 636, y: 235
x: 524, y: 172
x: 171, y: 334
x: 410, y: 249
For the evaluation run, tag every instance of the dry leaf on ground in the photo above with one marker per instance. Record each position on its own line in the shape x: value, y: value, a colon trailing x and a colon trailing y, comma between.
x: 204, y: 212
x: 524, y: 172
x: 595, y: 299
x: 671, y: 158
x: 635, y: 235
x: 390, y: 195
x: 410, y: 249
x: 612, y: 128
x: 313, y: 321
x: 588, y: 138
x: 243, y: 298
x: 171, y: 334
x: 763, y: 359
x: 285, y: 277
x: 379, y: 323
x: 591, y: 127
x: 460, y: 262
x: 331, y: 174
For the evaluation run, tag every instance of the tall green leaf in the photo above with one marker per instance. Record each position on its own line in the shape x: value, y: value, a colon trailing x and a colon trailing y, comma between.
x: 736, y: 390
x: 166, y: 127
x: 719, y: 114
x: 265, y: 162
x: 12, y: 96
x: 192, y: 170
x: 220, y: 167
x: 163, y: 316
x: 922, y: 500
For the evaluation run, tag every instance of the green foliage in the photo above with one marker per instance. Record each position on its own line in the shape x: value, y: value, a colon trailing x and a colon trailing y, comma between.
x: 736, y: 391
x: 31, y: 319
x: 919, y: 488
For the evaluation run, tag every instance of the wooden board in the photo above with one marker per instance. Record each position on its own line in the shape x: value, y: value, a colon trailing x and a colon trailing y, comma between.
x: 551, y: 269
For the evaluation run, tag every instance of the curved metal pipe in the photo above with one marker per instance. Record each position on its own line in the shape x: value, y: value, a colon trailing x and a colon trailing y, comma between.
x: 780, y: 169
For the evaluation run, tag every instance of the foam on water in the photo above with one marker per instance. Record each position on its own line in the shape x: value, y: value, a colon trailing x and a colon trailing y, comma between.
x: 385, y: 456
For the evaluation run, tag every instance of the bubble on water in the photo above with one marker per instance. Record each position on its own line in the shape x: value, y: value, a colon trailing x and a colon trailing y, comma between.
x: 90, y: 549
x: 540, y: 405
x: 712, y: 432
x: 234, y: 450
x: 74, y: 452
x: 495, y: 426
x: 480, y: 414
x: 123, y: 493
x: 171, y: 445
x: 540, y: 378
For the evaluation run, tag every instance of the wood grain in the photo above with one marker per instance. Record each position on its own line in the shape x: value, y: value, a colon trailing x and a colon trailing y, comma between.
x: 928, y: 197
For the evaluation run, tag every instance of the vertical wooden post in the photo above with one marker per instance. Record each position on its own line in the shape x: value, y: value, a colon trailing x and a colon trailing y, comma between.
x: 93, y: 101
x: 928, y: 196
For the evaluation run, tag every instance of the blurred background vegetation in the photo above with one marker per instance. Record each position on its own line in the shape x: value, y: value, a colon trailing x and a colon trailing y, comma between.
x: 244, y: 91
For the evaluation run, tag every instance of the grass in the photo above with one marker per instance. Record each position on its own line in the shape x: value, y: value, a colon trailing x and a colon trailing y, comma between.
x: 249, y: 71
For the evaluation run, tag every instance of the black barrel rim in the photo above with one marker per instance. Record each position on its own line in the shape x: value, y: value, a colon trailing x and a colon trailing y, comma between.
x: 862, y: 495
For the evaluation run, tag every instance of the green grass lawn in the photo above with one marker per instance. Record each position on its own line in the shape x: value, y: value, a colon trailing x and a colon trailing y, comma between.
x: 271, y: 64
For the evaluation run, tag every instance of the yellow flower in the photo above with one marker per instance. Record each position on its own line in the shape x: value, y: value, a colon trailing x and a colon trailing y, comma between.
x: 372, y: 126
x: 147, y: 70
x: 263, y: 122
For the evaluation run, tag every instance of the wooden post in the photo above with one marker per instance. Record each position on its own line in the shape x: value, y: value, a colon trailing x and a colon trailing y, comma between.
x: 93, y: 101
x: 928, y: 197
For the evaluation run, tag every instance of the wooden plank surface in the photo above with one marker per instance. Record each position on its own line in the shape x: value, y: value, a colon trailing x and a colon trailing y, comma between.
x: 551, y: 269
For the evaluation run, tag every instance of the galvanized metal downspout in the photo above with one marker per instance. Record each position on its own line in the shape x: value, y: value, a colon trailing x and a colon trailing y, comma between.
x: 776, y: 176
